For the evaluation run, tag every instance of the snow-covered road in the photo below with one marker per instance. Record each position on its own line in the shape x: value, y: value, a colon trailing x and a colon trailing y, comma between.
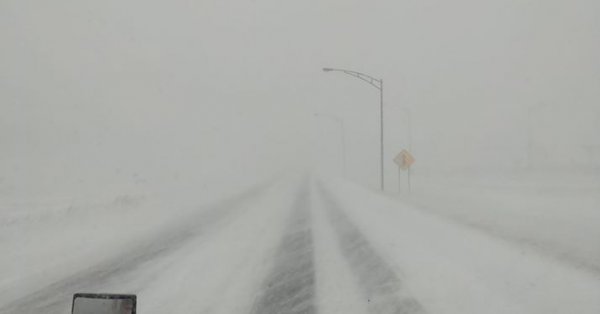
x: 319, y: 247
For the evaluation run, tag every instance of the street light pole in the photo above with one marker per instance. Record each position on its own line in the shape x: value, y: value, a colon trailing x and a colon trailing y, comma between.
x: 377, y: 83
x: 381, y: 132
x: 342, y: 138
x: 409, y: 132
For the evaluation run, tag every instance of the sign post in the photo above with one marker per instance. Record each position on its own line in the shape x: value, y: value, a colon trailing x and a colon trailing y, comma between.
x: 404, y: 160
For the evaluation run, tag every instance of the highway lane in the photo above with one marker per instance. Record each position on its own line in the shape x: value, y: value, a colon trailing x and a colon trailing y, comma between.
x: 381, y: 286
x: 56, y: 296
x: 253, y: 254
x: 290, y: 285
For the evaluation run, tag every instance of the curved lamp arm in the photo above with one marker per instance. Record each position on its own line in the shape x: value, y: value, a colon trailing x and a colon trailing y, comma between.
x: 377, y: 83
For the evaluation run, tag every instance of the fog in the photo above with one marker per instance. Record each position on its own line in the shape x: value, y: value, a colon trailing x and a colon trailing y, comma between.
x: 97, y: 92
x: 161, y: 148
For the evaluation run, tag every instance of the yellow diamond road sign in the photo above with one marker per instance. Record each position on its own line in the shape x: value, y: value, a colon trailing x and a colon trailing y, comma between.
x: 404, y: 160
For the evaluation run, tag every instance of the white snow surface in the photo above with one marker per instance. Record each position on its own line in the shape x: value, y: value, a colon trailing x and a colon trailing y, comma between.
x: 556, y: 214
x: 216, y: 257
x: 453, y: 269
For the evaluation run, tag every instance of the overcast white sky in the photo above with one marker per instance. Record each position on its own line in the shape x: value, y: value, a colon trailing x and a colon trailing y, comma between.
x: 95, y: 92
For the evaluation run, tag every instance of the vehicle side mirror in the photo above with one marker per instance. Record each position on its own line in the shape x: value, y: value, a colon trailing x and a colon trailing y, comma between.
x: 99, y: 303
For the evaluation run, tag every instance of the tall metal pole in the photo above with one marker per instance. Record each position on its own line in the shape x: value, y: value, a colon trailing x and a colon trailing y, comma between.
x: 377, y: 83
x: 409, y: 132
x: 381, y: 131
x: 344, y: 146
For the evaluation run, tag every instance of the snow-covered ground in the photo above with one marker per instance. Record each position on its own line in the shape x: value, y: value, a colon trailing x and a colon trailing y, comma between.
x: 557, y: 214
x: 46, y: 239
x: 289, y: 246
x: 453, y: 269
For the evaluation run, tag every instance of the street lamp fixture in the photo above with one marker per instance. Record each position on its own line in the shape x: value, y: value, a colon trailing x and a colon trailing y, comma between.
x: 377, y: 83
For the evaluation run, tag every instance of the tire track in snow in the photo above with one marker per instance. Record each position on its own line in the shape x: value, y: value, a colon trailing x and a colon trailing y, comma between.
x: 51, y: 298
x: 290, y: 286
x: 378, y: 281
